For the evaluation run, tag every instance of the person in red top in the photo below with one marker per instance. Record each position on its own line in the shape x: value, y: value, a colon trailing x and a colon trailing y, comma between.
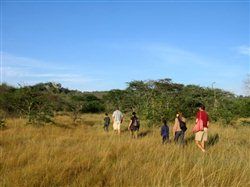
x: 201, y: 136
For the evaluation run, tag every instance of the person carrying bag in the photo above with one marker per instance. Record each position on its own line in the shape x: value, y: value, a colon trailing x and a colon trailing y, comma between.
x: 201, y: 128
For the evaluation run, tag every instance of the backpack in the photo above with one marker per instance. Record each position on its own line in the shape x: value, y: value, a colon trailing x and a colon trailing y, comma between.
x: 106, y: 121
x: 182, y: 125
x: 136, y: 122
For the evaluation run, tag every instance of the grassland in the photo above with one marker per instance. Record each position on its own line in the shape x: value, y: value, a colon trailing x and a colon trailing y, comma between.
x: 84, y: 155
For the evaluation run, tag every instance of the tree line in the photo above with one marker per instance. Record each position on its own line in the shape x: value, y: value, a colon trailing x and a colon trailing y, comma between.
x: 151, y: 99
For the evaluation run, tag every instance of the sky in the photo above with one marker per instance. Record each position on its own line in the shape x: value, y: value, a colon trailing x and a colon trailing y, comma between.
x: 102, y: 45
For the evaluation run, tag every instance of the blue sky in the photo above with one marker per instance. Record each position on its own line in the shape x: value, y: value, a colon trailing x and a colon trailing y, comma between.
x: 102, y: 45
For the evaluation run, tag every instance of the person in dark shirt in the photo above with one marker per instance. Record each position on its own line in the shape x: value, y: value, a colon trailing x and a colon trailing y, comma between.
x: 106, y: 122
x: 164, y: 131
x: 134, y: 125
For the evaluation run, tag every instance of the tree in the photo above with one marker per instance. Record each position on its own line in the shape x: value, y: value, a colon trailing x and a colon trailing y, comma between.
x: 34, y: 105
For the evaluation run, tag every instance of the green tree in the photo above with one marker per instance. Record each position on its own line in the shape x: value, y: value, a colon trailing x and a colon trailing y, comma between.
x: 34, y: 105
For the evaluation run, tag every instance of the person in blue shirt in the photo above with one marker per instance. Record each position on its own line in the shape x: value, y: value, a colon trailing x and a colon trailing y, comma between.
x: 165, y: 132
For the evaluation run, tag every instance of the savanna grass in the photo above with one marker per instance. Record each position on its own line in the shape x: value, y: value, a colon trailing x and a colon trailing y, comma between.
x: 85, y: 155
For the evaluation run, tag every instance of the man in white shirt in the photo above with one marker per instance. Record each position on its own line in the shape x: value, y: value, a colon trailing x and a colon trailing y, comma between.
x: 117, y: 120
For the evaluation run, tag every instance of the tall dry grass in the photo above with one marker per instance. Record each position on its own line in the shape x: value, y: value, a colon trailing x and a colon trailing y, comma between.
x: 84, y: 155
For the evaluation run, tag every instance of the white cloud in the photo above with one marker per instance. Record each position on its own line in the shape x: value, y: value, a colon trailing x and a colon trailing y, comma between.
x: 14, y: 71
x: 24, y: 62
x: 244, y: 50
x: 30, y: 71
x: 176, y: 56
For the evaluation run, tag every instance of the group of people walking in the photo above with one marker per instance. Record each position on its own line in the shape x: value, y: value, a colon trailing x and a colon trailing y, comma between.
x: 200, y: 129
x: 133, y: 127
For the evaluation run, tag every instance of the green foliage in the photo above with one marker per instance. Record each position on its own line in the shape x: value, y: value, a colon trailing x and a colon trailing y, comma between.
x: 89, y: 103
x: 245, y: 123
x: 151, y: 99
x: 154, y: 100
x: 2, y: 120
x: 7, y: 98
x: 30, y: 102
x: 2, y: 124
x: 35, y: 105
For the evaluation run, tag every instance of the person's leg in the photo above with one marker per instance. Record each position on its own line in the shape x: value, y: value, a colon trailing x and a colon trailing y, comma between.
x: 199, y: 145
x: 182, y: 138
x: 119, y: 128
x: 204, y: 138
x: 177, y: 135
x: 163, y: 139
x: 114, y: 126
x: 198, y: 140
x: 132, y: 133
x: 136, y: 134
x: 203, y: 144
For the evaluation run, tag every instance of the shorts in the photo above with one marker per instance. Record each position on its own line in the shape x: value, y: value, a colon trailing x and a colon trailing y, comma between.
x: 134, y: 128
x: 117, y: 125
x: 201, y: 135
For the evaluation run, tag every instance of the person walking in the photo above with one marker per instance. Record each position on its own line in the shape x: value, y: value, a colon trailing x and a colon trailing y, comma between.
x: 179, y: 128
x: 134, y: 125
x: 165, y: 132
x: 202, y: 135
x: 117, y: 120
x: 106, y: 122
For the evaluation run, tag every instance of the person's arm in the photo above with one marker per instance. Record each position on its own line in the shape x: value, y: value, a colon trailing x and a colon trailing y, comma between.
x: 167, y: 131
x: 113, y: 117
x: 120, y: 116
x: 207, y: 121
x: 197, y: 117
x: 175, y: 126
x: 104, y: 121
x: 130, y: 123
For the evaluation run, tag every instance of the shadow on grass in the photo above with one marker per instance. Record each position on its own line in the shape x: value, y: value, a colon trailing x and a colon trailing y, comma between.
x: 2, y: 128
x: 212, y: 139
x: 190, y: 139
x: 141, y: 134
x: 123, y: 130
x: 88, y: 123
x: 245, y: 123
x: 144, y: 133
x: 62, y: 126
